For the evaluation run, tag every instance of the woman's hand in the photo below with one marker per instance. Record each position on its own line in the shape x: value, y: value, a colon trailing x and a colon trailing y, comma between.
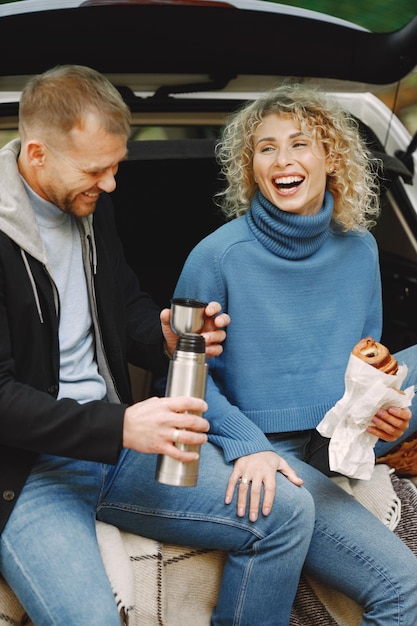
x: 390, y: 424
x: 213, y: 332
x: 250, y: 474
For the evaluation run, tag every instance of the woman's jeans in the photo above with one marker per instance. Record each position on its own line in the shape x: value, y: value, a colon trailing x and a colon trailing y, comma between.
x: 351, y: 550
x: 50, y: 556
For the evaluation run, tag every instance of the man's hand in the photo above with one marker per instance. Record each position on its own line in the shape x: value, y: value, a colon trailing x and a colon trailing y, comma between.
x: 156, y: 424
x: 213, y: 332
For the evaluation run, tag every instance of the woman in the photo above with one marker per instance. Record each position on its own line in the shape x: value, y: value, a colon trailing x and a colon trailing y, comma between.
x: 297, y: 270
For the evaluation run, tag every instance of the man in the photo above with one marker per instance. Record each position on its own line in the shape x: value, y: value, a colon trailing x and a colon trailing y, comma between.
x: 72, y: 316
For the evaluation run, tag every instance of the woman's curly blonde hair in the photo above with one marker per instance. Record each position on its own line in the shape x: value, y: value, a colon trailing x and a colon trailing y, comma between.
x: 353, y: 181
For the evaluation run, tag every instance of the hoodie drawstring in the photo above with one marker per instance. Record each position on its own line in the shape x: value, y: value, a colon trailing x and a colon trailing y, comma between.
x: 32, y: 282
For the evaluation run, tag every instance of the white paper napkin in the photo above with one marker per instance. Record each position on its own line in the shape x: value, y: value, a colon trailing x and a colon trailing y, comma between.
x: 367, y: 389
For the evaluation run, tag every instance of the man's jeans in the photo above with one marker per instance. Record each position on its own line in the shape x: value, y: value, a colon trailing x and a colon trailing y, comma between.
x: 50, y: 557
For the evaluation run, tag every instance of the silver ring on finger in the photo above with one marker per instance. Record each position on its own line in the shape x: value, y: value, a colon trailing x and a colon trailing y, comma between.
x: 176, y: 435
x: 245, y: 481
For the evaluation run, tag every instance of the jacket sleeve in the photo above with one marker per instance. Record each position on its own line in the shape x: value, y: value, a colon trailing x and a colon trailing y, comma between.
x: 31, y: 418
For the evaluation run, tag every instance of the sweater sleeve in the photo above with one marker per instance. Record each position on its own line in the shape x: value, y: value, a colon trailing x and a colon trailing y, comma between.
x: 230, y: 428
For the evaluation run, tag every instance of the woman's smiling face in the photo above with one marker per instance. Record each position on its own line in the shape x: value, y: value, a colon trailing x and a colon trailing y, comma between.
x: 289, y: 168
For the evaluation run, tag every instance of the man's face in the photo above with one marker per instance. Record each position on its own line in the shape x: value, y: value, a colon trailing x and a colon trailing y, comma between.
x: 76, y: 169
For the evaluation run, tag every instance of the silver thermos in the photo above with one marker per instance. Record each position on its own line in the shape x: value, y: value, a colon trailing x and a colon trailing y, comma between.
x: 187, y: 376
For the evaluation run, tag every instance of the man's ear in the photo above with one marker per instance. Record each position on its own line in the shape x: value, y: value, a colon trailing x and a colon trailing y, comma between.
x: 35, y: 153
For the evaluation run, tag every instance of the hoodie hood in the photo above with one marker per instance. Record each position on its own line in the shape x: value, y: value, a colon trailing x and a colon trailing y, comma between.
x: 17, y: 218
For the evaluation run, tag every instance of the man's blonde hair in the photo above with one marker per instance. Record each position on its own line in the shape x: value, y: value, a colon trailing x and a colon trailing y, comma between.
x: 60, y: 98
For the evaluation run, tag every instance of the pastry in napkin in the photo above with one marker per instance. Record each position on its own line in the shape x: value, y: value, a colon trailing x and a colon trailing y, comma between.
x: 368, y: 387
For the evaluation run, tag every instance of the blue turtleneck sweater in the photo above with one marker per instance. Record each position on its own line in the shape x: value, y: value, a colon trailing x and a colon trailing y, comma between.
x: 300, y: 295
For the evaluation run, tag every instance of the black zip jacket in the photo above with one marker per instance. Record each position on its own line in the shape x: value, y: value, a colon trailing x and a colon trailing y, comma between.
x: 32, y: 420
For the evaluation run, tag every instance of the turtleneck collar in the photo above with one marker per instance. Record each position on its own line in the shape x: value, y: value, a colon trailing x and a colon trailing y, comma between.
x: 289, y: 235
x: 47, y: 214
